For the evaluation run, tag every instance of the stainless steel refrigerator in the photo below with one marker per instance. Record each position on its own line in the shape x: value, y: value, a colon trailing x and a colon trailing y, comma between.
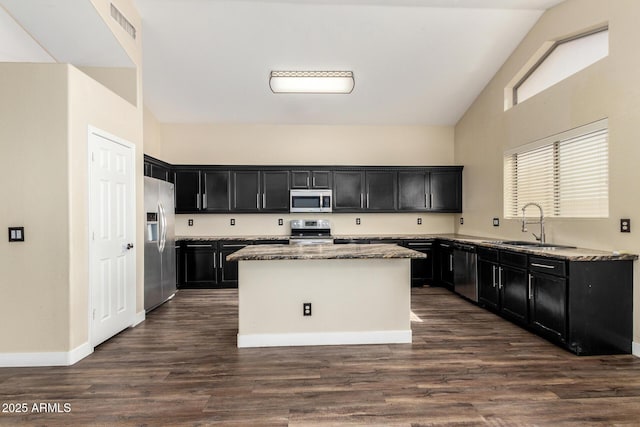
x: 159, y: 243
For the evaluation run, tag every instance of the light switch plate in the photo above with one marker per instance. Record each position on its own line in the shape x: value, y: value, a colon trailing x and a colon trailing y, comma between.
x: 16, y: 234
x: 232, y: 221
x: 496, y: 222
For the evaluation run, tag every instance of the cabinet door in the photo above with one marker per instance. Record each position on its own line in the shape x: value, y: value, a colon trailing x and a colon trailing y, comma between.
x: 348, y: 191
x: 300, y: 179
x: 321, y: 180
x: 421, y: 269
x: 187, y: 188
x: 246, y: 191
x: 445, y: 264
x: 275, y: 191
x: 228, y: 276
x: 513, y: 285
x: 217, y: 185
x: 548, y: 305
x: 200, y: 266
x: 381, y: 194
x: 488, y: 291
x: 446, y: 191
x: 412, y: 191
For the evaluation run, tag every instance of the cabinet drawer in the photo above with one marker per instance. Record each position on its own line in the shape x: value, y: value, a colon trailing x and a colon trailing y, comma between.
x: 488, y: 254
x: 556, y: 267
x: 513, y: 258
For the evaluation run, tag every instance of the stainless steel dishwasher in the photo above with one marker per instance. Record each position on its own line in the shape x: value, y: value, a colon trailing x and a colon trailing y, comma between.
x: 465, y: 280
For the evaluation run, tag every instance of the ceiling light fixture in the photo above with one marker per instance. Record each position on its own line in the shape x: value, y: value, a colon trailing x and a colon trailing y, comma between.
x: 311, y: 81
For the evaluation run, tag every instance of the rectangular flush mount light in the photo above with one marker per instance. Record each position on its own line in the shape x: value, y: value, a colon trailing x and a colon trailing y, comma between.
x: 311, y: 81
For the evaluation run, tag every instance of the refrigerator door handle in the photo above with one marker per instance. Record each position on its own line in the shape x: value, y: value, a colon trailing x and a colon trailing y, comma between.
x: 163, y: 230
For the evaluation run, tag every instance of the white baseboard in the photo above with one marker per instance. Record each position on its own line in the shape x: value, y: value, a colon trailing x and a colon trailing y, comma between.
x: 635, y: 348
x: 324, y: 338
x: 58, y: 358
x: 140, y: 317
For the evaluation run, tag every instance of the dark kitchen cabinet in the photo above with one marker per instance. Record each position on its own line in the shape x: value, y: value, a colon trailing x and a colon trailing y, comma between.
x: 421, y: 269
x: 513, y: 285
x: 246, y: 191
x: 381, y: 190
x: 433, y: 190
x: 157, y: 169
x: 445, y: 265
x: 275, y: 191
x: 187, y: 191
x: 548, y: 299
x: 228, y: 270
x: 348, y: 190
x: 310, y: 179
x: 446, y: 191
x: 199, y: 265
x: 488, y: 286
x: 217, y: 190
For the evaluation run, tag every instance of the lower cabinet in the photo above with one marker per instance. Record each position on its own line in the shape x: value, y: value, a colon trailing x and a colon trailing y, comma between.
x: 444, y: 265
x: 421, y: 269
x: 203, y: 264
x: 547, y: 302
x: 199, y: 265
x: 513, y: 286
x: 488, y: 285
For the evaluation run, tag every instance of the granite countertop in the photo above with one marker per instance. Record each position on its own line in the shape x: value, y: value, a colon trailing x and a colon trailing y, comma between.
x: 566, y: 253
x: 326, y: 251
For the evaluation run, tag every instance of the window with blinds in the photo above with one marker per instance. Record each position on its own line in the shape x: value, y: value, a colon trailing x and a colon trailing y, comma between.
x: 567, y: 174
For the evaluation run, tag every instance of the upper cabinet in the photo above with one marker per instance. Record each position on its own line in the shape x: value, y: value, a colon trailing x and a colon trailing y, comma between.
x: 433, y: 189
x: 311, y: 179
x: 219, y: 189
x: 157, y: 169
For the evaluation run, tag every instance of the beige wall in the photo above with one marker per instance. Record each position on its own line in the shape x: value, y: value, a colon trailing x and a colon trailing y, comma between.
x: 307, y: 145
x: 608, y: 88
x: 34, y: 274
x: 46, y: 110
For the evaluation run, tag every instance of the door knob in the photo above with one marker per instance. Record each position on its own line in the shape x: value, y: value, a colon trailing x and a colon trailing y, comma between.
x: 129, y: 246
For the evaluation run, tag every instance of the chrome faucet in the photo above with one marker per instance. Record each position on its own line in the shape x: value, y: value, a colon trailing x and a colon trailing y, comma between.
x: 540, y: 221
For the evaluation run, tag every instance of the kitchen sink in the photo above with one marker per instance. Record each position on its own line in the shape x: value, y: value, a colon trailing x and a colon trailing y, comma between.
x: 529, y: 244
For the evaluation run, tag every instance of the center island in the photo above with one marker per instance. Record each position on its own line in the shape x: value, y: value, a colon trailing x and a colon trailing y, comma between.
x: 291, y: 295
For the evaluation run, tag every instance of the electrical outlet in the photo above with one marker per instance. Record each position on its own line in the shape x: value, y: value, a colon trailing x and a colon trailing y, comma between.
x: 419, y: 221
x: 306, y: 309
x: 625, y: 225
x: 16, y: 234
x: 496, y: 222
x: 357, y: 221
x: 232, y: 221
x: 190, y: 222
x: 280, y: 221
x: 461, y: 220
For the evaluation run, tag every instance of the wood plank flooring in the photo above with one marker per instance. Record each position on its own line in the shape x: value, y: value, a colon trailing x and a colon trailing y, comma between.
x: 465, y: 367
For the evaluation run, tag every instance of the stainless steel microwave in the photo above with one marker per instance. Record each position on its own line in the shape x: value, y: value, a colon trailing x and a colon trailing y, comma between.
x: 311, y: 201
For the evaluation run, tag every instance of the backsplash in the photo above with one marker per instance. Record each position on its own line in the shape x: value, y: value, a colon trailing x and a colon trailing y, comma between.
x: 341, y: 224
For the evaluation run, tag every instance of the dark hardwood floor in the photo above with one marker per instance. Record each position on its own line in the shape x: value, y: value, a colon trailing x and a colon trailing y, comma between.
x: 465, y: 367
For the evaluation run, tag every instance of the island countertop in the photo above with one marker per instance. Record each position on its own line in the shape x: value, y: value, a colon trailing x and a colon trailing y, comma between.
x: 325, y: 251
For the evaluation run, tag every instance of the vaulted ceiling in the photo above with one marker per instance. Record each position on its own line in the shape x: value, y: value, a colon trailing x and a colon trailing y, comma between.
x: 414, y: 61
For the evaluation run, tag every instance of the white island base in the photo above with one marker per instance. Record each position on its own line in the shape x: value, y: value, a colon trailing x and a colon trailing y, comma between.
x: 354, y: 301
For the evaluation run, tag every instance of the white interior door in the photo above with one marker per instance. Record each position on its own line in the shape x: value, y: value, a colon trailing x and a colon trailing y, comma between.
x: 112, y: 270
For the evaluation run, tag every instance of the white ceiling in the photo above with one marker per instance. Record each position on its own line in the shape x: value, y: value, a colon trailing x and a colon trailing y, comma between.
x: 414, y: 61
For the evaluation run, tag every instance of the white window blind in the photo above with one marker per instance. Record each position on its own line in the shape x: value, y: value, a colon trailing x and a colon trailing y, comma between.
x: 568, y: 175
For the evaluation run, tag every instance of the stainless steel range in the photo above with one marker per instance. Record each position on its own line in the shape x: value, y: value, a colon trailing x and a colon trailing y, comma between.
x: 310, y: 232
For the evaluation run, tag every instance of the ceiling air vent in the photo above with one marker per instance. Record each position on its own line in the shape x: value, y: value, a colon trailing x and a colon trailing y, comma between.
x: 124, y: 22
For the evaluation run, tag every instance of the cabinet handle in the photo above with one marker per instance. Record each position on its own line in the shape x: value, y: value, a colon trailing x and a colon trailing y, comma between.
x: 426, y: 200
x: 534, y: 264
x: 257, y: 200
x: 367, y: 200
x: 198, y: 246
x: 215, y: 265
x: 499, y: 277
x: 204, y: 201
x: 493, y: 271
x: 314, y: 181
x: 264, y: 200
x: 419, y: 244
x: 431, y: 200
x: 198, y: 201
x: 443, y: 245
x: 361, y: 200
x: 530, y: 289
x: 450, y: 262
x: 220, y: 257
